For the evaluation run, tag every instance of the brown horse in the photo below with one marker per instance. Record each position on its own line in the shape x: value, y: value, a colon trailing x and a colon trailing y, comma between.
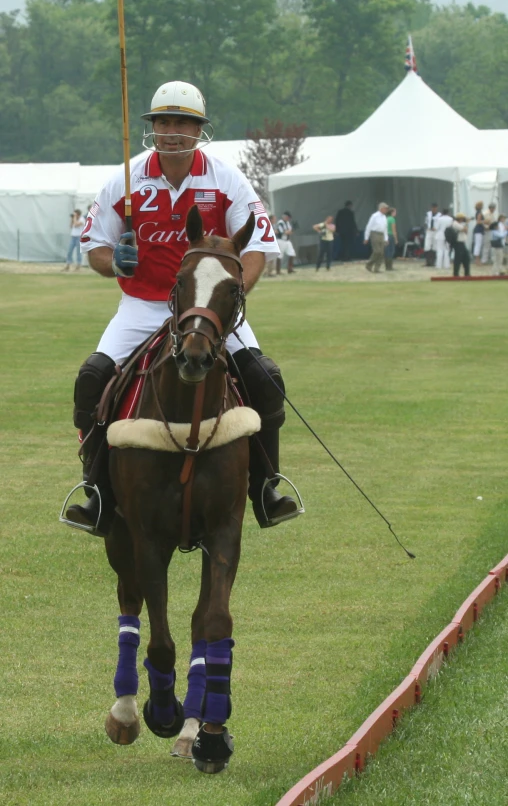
x: 175, y: 489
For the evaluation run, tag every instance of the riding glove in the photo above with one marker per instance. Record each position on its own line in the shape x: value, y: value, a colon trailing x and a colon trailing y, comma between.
x: 125, y: 256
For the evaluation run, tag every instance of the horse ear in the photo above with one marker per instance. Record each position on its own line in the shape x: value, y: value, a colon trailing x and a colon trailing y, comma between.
x: 194, y: 225
x: 243, y: 236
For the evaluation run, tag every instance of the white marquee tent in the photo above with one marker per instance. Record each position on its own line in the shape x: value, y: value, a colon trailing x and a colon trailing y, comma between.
x: 414, y: 149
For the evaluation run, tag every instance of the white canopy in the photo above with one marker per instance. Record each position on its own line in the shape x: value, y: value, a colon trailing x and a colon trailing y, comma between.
x: 413, y: 150
x: 36, y: 200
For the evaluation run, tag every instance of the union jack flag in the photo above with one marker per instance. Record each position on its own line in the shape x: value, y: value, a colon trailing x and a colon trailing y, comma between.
x: 204, y: 196
x: 257, y: 208
x: 410, y: 61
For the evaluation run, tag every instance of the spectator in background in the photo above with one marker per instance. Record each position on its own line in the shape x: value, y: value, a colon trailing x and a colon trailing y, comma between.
x: 478, y: 232
x: 77, y: 224
x: 444, y: 221
x: 393, y: 239
x: 429, y: 245
x: 377, y: 232
x: 461, y: 256
x: 498, y: 237
x: 326, y: 230
x: 490, y: 221
x: 283, y: 230
x: 346, y: 229
x: 272, y: 265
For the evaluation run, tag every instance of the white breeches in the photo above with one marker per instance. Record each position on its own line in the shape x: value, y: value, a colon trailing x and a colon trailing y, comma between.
x: 136, y: 319
x: 442, y: 252
x: 430, y: 241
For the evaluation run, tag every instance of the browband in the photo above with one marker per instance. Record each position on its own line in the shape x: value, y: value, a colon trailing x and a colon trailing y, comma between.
x: 210, y: 251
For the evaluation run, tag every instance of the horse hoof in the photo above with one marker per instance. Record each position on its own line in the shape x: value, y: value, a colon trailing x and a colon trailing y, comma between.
x: 164, y: 731
x: 120, y: 733
x: 182, y: 748
x: 211, y: 751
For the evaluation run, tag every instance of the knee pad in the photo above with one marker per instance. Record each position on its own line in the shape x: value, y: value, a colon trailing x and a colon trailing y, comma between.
x: 262, y: 383
x: 93, y: 377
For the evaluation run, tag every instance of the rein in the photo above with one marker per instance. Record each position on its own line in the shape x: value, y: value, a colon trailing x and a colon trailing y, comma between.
x: 217, y: 345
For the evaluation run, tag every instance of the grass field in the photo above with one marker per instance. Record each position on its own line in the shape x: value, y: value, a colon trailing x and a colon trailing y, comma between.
x: 406, y: 383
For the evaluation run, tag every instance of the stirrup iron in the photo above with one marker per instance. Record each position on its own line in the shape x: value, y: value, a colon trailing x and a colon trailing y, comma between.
x: 82, y: 526
x: 299, y: 511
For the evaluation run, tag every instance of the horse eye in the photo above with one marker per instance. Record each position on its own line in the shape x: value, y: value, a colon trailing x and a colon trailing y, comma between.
x: 235, y: 290
x: 179, y: 282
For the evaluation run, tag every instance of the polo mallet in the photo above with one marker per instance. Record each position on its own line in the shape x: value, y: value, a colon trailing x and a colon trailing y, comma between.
x: 125, y: 118
x: 330, y: 454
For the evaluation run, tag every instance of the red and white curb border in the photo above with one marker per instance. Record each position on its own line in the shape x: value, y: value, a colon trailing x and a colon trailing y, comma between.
x: 325, y: 779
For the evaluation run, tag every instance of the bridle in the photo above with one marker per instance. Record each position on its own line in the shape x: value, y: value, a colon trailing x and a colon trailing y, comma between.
x: 176, y: 326
x: 178, y: 331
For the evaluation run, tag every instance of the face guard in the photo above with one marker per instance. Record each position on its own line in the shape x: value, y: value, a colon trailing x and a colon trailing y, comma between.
x: 199, y: 142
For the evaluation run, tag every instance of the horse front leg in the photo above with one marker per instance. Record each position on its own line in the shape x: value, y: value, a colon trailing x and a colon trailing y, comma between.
x: 213, y: 747
x: 122, y: 723
x: 163, y: 712
x: 196, y: 677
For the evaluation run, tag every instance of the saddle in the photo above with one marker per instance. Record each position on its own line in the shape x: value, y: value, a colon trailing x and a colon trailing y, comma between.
x: 122, y: 396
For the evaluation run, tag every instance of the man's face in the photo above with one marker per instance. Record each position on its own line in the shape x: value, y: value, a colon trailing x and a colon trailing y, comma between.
x: 286, y: 217
x: 175, y: 134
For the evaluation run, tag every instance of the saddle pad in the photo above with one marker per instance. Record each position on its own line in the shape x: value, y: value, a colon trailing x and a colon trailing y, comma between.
x: 152, y: 434
x: 132, y: 393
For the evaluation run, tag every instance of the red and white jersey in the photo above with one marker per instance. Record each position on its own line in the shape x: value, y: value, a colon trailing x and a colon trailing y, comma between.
x: 224, y: 198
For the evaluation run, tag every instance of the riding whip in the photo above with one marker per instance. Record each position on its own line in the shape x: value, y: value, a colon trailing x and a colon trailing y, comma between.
x: 125, y: 118
x: 306, y: 424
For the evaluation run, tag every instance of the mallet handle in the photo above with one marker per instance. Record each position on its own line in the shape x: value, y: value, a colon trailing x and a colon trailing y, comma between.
x: 125, y: 118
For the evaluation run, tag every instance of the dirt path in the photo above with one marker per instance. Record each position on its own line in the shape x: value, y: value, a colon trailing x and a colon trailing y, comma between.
x: 404, y: 271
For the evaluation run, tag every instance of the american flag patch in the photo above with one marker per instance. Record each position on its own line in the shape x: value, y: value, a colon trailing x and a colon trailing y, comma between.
x: 256, y: 208
x: 204, y: 196
x: 93, y: 209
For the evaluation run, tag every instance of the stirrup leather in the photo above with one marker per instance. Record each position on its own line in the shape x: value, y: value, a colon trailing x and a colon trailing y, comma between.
x: 290, y: 515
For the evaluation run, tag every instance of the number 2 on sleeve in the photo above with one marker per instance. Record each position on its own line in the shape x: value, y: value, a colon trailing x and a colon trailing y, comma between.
x: 265, y: 222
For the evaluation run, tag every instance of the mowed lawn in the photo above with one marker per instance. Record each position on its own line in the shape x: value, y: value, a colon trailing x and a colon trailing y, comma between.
x: 406, y: 384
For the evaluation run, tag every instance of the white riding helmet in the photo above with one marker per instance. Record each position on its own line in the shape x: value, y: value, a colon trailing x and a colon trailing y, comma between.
x: 178, y: 98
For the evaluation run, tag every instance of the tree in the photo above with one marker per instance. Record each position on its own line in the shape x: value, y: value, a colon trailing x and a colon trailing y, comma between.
x: 461, y: 53
x: 361, y: 44
x: 271, y: 150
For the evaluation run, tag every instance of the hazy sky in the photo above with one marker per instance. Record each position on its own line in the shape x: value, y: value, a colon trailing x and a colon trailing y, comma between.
x: 495, y: 5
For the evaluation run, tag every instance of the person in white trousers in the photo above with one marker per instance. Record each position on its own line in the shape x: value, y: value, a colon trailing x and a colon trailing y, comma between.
x: 442, y: 246
x: 497, y: 243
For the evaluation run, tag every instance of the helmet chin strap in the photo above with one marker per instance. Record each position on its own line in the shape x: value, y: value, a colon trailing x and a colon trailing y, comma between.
x: 204, y: 138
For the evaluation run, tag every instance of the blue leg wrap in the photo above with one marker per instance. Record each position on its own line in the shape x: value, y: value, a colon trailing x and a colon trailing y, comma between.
x: 162, y: 694
x: 196, y: 678
x: 217, y: 699
x: 126, y: 677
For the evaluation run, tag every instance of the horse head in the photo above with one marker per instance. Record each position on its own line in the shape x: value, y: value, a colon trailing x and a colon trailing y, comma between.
x: 208, y: 298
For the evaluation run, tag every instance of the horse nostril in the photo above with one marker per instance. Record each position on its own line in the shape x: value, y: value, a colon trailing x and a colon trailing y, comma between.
x: 208, y: 361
